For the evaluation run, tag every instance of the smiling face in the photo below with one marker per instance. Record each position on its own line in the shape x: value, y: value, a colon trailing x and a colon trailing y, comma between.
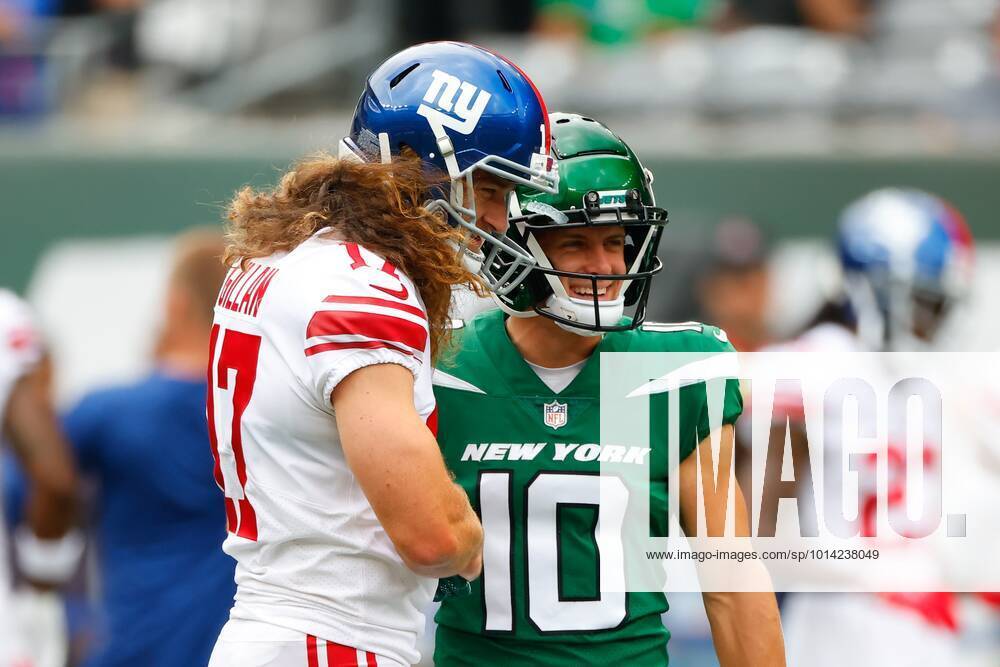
x: 587, y: 250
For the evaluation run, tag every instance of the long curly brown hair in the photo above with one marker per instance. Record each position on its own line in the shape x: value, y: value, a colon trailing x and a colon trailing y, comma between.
x: 379, y: 206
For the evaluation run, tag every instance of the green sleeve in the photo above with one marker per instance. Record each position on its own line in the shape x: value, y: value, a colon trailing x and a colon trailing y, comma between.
x: 733, y: 397
x: 731, y: 411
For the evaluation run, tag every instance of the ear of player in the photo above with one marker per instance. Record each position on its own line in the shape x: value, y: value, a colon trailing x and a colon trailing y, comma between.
x: 601, y: 184
x: 460, y: 108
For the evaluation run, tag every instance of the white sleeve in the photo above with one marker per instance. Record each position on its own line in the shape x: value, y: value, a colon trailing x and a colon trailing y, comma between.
x: 363, y: 323
x: 20, y: 342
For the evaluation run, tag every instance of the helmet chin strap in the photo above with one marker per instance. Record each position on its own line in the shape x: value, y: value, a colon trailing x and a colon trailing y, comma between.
x: 582, y: 311
x: 472, y: 260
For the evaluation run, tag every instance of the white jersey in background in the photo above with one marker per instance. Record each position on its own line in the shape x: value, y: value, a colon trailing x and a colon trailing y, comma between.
x: 311, y: 555
x: 866, y: 629
x: 20, y: 351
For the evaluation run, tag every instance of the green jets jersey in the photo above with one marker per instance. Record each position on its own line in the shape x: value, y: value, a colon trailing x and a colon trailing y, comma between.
x: 530, y: 461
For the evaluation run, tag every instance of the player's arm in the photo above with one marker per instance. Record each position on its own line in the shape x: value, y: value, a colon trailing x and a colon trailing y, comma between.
x: 396, y: 460
x: 48, y: 549
x: 746, y: 627
x: 30, y: 424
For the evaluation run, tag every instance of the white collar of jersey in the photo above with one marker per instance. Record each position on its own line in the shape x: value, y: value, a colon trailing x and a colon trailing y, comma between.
x: 442, y: 379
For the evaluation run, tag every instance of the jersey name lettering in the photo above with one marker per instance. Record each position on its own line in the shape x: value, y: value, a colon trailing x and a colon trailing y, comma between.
x: 243, y: 291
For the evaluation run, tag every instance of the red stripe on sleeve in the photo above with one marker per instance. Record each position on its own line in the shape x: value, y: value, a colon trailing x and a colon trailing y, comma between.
x: 432, y: 421
x: 338, y: 655
x: 311, y: 653
x: 375, y: 301
x: 372, y: 325
x: 370, y: 658
x: 355, y: 345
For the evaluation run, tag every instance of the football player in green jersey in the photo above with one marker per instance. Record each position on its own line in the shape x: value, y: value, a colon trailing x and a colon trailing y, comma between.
x: 519, y: 427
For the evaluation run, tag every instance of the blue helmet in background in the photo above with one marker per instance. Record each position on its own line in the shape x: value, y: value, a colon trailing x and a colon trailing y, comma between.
x: 460, y: 108
x: 907, y: 258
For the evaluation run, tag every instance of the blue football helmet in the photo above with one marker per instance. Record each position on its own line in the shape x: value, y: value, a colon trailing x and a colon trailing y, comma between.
x: 460, y: 108
x: 907, y: 259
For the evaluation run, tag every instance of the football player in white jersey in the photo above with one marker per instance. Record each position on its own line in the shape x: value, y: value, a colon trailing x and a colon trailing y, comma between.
x: 341, y: 512
x: 47, y: 549
x: 906, y: 258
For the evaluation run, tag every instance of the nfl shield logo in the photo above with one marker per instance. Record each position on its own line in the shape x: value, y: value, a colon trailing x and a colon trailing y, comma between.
x: 555, y: 414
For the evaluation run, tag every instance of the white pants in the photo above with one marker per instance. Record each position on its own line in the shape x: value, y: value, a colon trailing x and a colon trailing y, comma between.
x: 253, y: 644
x: 12, y: 651
x: 32, y: 629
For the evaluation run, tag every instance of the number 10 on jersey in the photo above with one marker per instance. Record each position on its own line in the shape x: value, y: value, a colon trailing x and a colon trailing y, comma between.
x: 545, y: 495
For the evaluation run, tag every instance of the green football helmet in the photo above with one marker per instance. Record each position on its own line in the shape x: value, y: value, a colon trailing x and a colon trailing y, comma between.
x: 601, y: 183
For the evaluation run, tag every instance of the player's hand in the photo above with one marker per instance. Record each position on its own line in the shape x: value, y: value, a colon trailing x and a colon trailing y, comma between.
x: 452, y: 587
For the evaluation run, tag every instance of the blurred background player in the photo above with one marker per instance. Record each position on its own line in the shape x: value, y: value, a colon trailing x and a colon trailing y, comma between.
x: 733, y: 287
x: 834, y: 16
x: 906, y: 257
x: 165, y: 587
x: 533, y: 365
x: 47, y: 547
x: 340, y: 508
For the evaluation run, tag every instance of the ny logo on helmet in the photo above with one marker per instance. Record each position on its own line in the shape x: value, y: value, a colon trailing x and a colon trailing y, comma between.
x: 467, y: 109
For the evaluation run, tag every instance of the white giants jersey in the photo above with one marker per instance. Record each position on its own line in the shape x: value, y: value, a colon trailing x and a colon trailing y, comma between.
x: 872, y: 629
x: 311, y: 554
